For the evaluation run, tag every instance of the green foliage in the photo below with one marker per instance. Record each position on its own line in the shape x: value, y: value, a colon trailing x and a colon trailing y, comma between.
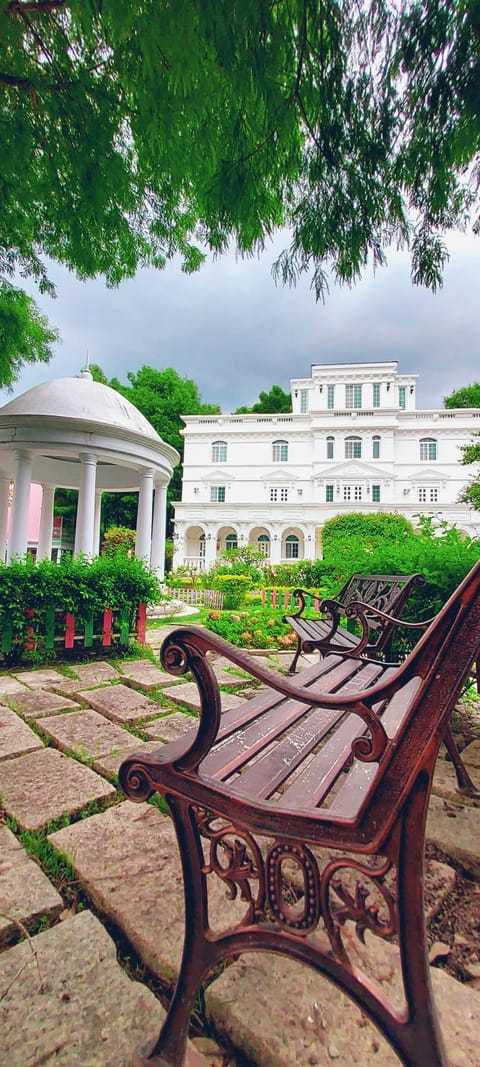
x: 471, y: 454
x: 118, y: 541
x: 163, y: 397
x: 255, y: 628
x: 234, y: 587
x: 276, y: 401
x: 134, y: 132
x: 370, y: 529
x: 25, y: 336
x: 74, y: 586
x: 242, y: 560
x: 466, y: 397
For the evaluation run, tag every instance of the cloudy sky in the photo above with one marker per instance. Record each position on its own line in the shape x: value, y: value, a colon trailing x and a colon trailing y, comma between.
x: 235, y: 333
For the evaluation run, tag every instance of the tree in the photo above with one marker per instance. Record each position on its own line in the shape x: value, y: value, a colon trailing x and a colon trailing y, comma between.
x: 466, y: 397
x: 25, y: 336
x: 471, y: 454
x: 163, y: 397
x: 134, y: 131
x: 275, y: 401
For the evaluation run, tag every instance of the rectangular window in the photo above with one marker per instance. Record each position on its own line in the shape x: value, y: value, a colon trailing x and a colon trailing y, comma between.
x: 303, y: 401
x: 330, y: 397
x: 278, y: 495
x: 376, y: 448
x: 401, y: 396
x: 422, y: 496
x: 434, y: 496
x: 347, y: 492
x: 376, y: 394
x: 330, y: 446
x: 329, y: 494
x: 280, y: 452
x: 353, y: 396
x: 357, y: 492
x: 375, y: 494
x: 217, y: 494
x: 428, y: 448
x: 353, y: 448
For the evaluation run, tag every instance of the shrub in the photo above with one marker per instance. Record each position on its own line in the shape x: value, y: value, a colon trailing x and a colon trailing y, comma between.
x: 234, y: 588
x: 118, y: 540
x: 257, y: 628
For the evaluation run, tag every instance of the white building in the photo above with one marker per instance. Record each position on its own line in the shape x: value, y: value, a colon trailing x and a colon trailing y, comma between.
x: 355, y: 441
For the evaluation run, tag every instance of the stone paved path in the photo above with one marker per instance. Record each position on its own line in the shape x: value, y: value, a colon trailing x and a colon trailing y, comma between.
x: 65, y: 997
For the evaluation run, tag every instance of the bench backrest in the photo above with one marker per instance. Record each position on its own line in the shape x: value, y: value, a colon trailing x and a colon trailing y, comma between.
x: 386, y: 592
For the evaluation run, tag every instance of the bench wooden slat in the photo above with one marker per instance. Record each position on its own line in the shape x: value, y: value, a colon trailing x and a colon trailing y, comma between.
x: 249, y: 740
x: 349, y: 799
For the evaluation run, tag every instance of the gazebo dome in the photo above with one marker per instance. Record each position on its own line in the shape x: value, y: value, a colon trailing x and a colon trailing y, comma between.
x: 81, y: 400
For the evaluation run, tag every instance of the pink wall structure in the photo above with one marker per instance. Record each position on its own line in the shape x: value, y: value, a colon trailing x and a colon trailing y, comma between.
x: 36, y: 494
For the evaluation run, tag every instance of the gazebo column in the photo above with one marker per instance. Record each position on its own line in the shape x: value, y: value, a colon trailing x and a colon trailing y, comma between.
x: 96, y: 522
x: 18, y: 539
x: 86, y: 506
x: 144, y: 516
x: 4, y: 496
x: 157, y: 558
x: 44, y: 550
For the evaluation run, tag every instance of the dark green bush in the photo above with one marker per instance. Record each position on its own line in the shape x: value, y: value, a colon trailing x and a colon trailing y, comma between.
x: 75, y: 586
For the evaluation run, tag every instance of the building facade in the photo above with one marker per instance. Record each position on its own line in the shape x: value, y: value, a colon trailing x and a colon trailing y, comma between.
x: 355, y: 441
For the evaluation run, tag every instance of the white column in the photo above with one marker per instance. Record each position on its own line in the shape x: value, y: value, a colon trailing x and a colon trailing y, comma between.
x: 96, y: 522
x: 144, y: 516
x: 86, y: 506
x: 310, y: 545
x: 157, y: 560
x: 210, y: 549
x: 276, y: 548
x: 18, y: 539
x: 4, y: 495
x: 44, y: 550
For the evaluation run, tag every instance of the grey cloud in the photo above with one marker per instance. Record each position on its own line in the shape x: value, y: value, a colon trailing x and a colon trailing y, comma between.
x: 235, y: 333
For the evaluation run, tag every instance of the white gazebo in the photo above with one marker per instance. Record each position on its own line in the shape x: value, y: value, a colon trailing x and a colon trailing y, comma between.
x: 75, y: 433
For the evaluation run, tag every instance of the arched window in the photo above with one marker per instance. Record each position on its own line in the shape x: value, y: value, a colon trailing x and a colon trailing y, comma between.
x: 428, y: 448
x: 330, y: 447
x: 353, y: 448
x: 280, y: 451
x: 291, y: 547
x: 263, y: 543
x: 376, y: 447
x: 231, y: 542
x: 219, y: 452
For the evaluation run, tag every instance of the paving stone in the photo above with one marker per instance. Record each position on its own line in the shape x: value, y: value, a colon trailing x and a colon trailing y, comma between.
x: 222, y: 665
x: 127, y: 859
x: 445, y: 783
x: 279, y: 1013
x: 128, y: 862
x: 39, y: 679
x: 144, y: 675
x: 96, y: 673
x: 39, y: 703
x: 471, y: 754
x: 170, y: 727
x: 15, y: 736
x: 120, y: 703
x: 43, y: 785
x: 109, y: 764
x: 25, y: 892
x: 90, y: 1013
x: 69, y: 687
x: 10, y: 685
x: 187, y: 694
x: 454, y: 828
x: 86, y: 733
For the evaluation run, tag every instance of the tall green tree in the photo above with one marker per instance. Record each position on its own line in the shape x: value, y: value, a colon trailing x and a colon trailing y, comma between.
x: 276, y: 401
x: 132, y: 131
x: 466, y: 397
x: 163, y: 396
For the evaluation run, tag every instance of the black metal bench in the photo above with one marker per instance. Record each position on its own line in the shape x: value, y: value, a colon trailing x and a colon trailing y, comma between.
x: 340, y: 758
x: 386, y: 592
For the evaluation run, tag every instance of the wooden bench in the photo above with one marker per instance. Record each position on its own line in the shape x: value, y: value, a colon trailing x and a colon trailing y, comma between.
x: 386, y: 592
x: 341, y: 758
